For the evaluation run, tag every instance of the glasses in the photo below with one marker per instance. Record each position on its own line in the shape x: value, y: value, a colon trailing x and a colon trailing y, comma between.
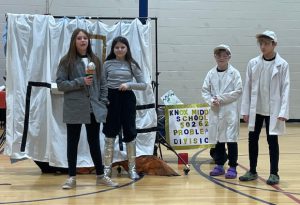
x: 220, y: 56
x: 265, y: 43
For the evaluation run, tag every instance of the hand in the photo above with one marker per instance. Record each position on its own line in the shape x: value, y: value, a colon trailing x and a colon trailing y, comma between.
x: 123, y: 87
x: 246, y: 118
x: 282, y: 119
x: 216, y: 102
x: 88, y: 80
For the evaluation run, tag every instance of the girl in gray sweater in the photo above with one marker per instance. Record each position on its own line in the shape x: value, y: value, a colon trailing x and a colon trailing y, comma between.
x: 85, y: 99
x: 120, y: 69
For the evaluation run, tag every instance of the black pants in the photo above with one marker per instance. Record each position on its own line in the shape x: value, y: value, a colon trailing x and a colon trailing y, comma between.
x: 73, y: 135
x: 121, y: 114
x: 220, y: 153
x: 272, y: 141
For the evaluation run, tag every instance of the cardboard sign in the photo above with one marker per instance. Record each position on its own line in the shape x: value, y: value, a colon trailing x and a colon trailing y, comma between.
x: 187, y: 126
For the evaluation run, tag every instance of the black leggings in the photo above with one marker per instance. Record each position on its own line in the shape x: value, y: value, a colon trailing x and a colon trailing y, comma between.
x: 73, y: 135
x: 272, y: 141
x: 220, y: 153
x: 121, y: 114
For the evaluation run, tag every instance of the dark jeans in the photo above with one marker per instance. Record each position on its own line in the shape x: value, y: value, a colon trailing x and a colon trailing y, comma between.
x: 73, y: 135
x: 272, y: 141
x: 121, y: 114
x: 220, y: 153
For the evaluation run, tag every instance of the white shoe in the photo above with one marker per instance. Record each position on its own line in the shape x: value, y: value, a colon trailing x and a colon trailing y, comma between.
x: 70, y: 183
x: 105, y: 180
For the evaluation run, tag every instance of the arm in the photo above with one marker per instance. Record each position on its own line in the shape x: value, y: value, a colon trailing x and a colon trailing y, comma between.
x: 285, y: 91
x: 245, y: 106
x: 139, y: 77
x: 103, y: 86
x: 206, y: 90
x: 63, y: 82
x: 234, y: 95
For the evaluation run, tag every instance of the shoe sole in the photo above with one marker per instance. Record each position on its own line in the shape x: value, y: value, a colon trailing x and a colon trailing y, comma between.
x: 67, y: 188
x: 246, y: 180
x: 109, y: 185
x: 272, y: 183
x: 227, y: 177
x: 215, y: 175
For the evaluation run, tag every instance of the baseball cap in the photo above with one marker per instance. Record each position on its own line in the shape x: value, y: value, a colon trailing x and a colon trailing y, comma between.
x: 222, y: 47
x: 267, y: 33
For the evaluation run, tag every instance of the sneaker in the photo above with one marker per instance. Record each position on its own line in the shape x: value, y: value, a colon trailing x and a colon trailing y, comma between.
x: 273, y: 179
x: 217, y: 171
x: 248, y: 177
x: 70, y: 183
x: 105, y: 180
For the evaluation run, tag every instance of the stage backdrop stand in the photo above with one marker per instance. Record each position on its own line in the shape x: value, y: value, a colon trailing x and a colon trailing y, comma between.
x: 24, y: 77
x: 2, y: 120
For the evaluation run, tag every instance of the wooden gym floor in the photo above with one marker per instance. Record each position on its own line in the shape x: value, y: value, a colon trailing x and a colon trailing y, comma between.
x: 23, y: 183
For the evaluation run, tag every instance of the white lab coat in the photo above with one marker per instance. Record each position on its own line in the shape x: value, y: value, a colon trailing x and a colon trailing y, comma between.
x: 224, y: 121
x: 279, y: 93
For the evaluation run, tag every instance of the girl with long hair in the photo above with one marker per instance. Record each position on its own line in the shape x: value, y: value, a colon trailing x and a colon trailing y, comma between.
x: 85, y: 99
x: 120, y: 68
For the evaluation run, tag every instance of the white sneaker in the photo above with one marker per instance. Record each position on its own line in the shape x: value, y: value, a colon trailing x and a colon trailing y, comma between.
x: 70, y: 183
x: 105, y: 180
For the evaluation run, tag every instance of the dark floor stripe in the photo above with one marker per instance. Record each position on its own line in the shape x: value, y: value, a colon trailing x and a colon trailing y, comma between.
x: 198, y: 169
x: 277, y: 188
x: 71, y: 196
x: 254, y: 187
x: 5, y: 184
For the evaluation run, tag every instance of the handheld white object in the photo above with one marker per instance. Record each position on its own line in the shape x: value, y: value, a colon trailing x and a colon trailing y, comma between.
x: 90, y: 69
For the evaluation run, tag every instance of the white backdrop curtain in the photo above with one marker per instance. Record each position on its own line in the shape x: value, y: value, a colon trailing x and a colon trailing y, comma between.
x: 35, y: 44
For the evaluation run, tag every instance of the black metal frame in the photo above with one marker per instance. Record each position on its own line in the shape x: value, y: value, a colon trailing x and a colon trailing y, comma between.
x: 154, y: 83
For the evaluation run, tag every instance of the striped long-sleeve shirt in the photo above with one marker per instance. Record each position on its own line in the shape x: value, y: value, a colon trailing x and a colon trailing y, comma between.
x: 118, y: 72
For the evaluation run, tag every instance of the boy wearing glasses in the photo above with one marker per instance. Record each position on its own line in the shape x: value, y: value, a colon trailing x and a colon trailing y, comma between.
x: 266, y: 99
x: 222, y: 89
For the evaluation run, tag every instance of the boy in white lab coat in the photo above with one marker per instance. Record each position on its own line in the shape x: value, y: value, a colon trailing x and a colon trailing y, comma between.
x: 266, y: 99
x: 222, y: 89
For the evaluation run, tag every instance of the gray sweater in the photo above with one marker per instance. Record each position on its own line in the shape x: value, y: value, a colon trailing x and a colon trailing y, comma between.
x: 79, y: 98
x: 118, y: 72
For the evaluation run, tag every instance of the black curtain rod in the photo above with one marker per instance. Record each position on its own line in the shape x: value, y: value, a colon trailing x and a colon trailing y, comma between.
x: 99, y: 17
x: 105, y: 18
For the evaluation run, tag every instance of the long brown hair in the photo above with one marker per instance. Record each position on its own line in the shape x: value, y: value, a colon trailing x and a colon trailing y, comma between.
x: 72, y: 53
x: 128, y: 56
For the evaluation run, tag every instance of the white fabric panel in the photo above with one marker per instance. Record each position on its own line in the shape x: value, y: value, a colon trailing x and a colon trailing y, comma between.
x: 34, y: 47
